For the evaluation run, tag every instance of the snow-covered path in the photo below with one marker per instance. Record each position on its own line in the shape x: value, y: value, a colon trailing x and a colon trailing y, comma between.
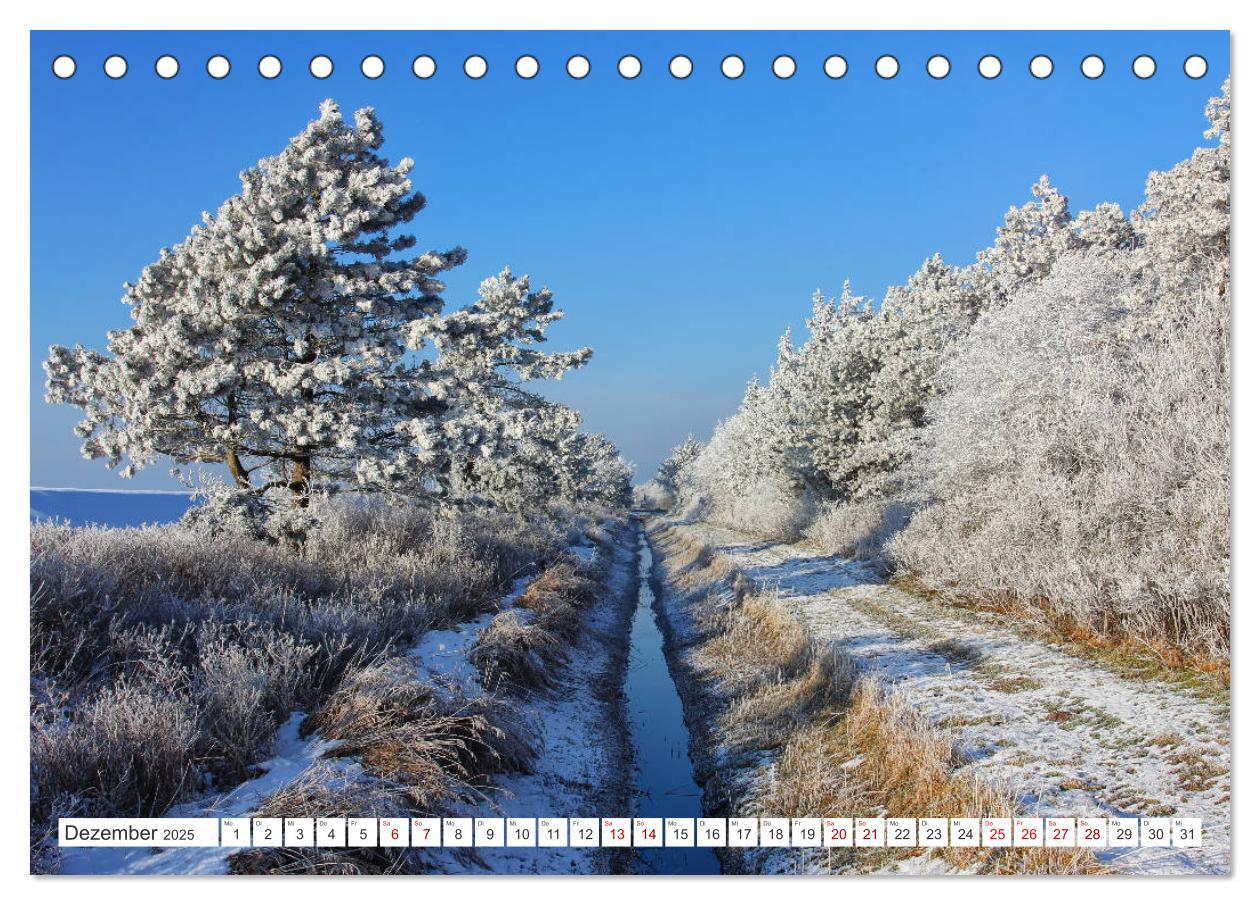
x: 1069, y: 737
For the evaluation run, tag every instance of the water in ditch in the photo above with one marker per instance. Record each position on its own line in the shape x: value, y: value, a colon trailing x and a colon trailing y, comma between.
x: 665, y: 784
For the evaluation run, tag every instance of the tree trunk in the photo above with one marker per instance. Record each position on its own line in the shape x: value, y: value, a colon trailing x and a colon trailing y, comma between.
x: 300, y: 484
x: 239, y: 474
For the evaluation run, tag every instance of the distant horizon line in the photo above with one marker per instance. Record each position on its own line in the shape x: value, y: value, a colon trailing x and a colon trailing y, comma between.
x: 111, y: 490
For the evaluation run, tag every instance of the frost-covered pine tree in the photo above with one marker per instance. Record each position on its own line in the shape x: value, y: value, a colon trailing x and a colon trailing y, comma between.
x: 290, y: 337
x: 1184, y: 221
x: 498, y: 440
x: 679, y: 458
x: 594, y: 472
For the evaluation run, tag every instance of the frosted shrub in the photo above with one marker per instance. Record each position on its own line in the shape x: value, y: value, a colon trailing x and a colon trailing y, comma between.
x: 857, y: 530
x: 767, y: 509
x: 249, y: 679
x: 220, y: 509
x: 653, y: 495
x: 128, y: 752
x: 1076, y: 463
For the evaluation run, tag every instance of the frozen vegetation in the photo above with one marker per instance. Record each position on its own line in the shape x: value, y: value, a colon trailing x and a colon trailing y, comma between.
x: 1025, y: 724
x: 1045, y: 430
x: 967, y: 551
x: 392, y: 474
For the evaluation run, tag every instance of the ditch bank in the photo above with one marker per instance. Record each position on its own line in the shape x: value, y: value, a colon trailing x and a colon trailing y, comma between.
x: 787, y: 724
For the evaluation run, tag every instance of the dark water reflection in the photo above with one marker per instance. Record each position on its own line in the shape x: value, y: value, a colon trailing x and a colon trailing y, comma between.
x: 666, y: 787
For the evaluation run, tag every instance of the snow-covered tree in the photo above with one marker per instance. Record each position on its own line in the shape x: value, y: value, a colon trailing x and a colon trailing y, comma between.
x: 296, y: 336
x: 844, y: 413
x: 593, y: 471
x: 679, y: 458
x: 1184, y: 221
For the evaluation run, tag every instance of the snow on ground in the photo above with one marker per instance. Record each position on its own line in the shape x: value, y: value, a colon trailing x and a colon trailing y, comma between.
x: 1071, y: 738
x: 441, y: 655
x: 441, y: 658
x: 294, y: 756
x: 582, y: 761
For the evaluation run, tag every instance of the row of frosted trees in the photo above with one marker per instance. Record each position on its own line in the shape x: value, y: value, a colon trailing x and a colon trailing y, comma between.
x: 1049, y: 424
x: 298, y: 339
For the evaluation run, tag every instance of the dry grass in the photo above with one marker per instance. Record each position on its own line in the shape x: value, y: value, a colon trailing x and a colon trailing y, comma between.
x: 522, y: 649
x: 128, y: 752
x: 1112, y: 643
x: 433, y: 744
x: 516, y: 656
x: 694, y: 564
x: 558, y: 598
x: 880, y: 756
x: 772, y: 712
x: 321, y: 791
x: 762, y: 642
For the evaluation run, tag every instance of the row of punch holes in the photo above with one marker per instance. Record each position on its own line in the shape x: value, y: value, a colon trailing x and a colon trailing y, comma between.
x: 629, y: 66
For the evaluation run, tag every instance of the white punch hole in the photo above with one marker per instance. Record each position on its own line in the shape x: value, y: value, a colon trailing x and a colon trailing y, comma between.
x: 115, y: 66
x: 938, y: 66
x: 783, y: 66
x: 270, y: 66
x: 990, y: 66
x: 64, y: 66
x: 321, y: 66
x: 423, y: 67
x: 218, y: 66
x: 887, y: 66
x: 1093, y: 66
x: 527, y: 66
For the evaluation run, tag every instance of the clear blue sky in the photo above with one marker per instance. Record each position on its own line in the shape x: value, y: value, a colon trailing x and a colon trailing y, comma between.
x: 681, y: 224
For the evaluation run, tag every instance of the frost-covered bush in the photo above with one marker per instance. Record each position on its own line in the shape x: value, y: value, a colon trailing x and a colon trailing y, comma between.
x: 248, y: 679
x: 128, y: 751
x: 1077, y: 463
x: 857, y: 530
x: 768, y: 509
x: 653, y: 495
x: 222, y: 509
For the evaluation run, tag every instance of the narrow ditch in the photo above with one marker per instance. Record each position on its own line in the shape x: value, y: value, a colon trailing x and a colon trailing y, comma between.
x: 665, y: 784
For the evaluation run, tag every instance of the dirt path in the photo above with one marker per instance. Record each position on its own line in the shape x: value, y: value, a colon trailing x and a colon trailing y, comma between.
x: 1068, y: 736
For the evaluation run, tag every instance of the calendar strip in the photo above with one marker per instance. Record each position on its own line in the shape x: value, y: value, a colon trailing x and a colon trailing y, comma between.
x: 633, y: 832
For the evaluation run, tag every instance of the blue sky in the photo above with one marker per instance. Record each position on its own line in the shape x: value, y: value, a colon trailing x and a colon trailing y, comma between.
x: 682, y: 225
